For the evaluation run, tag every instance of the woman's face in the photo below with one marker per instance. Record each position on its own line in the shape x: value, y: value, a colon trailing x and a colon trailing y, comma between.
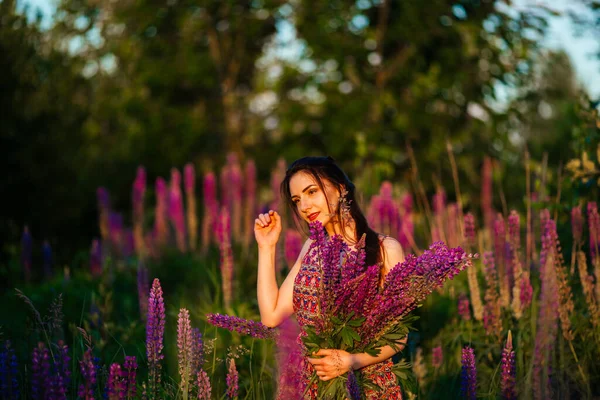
x: 310, y: 200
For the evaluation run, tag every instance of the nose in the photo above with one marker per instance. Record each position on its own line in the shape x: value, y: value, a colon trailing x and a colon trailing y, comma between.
x: 304, y: 205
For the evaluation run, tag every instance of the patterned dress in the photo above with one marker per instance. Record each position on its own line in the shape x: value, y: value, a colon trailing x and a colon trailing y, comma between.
x: 306, y: 308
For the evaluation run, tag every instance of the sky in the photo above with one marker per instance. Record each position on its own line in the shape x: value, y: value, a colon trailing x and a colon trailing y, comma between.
x: 561, y: 35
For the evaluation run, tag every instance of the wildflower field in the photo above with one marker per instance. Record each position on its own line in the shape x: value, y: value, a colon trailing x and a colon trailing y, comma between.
x: 166, y: 307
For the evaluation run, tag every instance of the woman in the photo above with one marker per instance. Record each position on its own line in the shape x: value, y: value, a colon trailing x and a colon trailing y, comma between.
x: 318, y: 190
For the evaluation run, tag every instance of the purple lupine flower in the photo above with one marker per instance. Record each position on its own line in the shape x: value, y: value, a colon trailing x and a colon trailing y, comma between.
x: 211, y: 209
x: 103, y: 199
x: 507, y: 381
x: 185, y: 351
x: 439, y: 201
x: 96, y: 258
x: 117, y: 386
x: 204, y: 388
x: 197, y: 351
x: 468, y: 374
x: 89, y: 372
x: 189, y: 184
x: 155, y: 328
x: 143, y: 287
x: 224, y: 237
x: 115, y: 231
x: 293, y: 246
x: 576, y: 224
x: 160, y: 214
x: 231, y: 190
x: 437, y: 357
x: 137, y: 198
x: 62, y: 368
x: 514, y: 230
x: 492, y: 311
x: 26, y: 253
x: 39, y: 371
x: 47, y: 259
x: 500, y: 259
x: 464, y: 309
x: 176, y: 211
x: 9, y: 384
x: 250, y: 199
x: 241, y: 325
x: 232, y: 380
x: 406, y: 229
x: 352, y: 386
x: 386, y: 211
x: 355, y: 261
x: 130, y: 366
x: 470, y: 235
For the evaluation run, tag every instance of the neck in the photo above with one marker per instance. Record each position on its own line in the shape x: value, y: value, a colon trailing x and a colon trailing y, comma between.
x: 335, y: 228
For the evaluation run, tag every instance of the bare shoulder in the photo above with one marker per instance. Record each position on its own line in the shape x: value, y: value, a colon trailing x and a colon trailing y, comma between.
x: 394, y: 253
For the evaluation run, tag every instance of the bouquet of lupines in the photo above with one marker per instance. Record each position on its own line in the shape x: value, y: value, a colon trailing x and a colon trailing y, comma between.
x: 359, y: 316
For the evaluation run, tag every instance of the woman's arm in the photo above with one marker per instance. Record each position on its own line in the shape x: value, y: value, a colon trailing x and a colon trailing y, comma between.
x: 338, y: 362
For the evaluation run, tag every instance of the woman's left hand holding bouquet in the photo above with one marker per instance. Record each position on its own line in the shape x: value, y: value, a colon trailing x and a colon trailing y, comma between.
x: 332, y: 363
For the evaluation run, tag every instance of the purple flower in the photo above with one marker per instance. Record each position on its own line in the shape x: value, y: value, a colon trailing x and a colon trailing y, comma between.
x: 117, y: 387
x: 293, y: 246
x: 40, y: 371
x: 224, y: 236
x: 204, y: 388
x: 232, y: 380
x: 88, y: 373
x: 9, y: 384
x: 185, y: 347
x: 240, y: 325
x: 176, y: 211
x: 155, y: 328
x: 463, y: 307
x: 130, y: 366
x: 137, y: 198
x: 96, y: 258
x: 189, y: 179
x: 594, y: 227
x: 211, y: 208
x: 160, y: 213
x: 514, y: 230
x: 352, y: 386
x: 507, y: 381
x: 468, y: 374
x: 289, y: 361
x: 250, y: 197
x: 437, y: 358
x: 470, y: 235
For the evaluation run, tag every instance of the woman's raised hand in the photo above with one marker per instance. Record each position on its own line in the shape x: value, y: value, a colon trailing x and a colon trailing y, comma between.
x: 267, y: 228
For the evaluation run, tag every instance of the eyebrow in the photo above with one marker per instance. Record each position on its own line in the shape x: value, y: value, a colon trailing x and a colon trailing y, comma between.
x: 305, y: 189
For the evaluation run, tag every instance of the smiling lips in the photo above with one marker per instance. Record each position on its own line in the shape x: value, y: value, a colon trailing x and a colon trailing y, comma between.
x: 313, y: 216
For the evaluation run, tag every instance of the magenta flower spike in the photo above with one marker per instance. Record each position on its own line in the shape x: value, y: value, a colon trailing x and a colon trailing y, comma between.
x: 185, y: 353
x: 249, y: 212
x: 155, y: 328
x: 211, y: 209
x: 137, y: 197
x: 189, y: 184
x: 508, y: 379
x: 160, y: 214
x: 577, y: 225
x: 176, y: 211
x: 241, y: 325
x: 103, y: 200
x: 89, y: 372
x: 470, y: 235
x: 468, y: 374
x: 224, y: 237
x: 464, y: 309
x: 117, y: 387
x: 130, y: 366
x: 204, y: 387
x: 235, y: 188
x: 232, y: 380
x: 26, y: 253
x: 594, y: 228
x: 289, y: 361
x: 197, y: 351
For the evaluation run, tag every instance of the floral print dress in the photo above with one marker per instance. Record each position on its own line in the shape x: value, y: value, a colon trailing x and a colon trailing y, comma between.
x: 306, y: 307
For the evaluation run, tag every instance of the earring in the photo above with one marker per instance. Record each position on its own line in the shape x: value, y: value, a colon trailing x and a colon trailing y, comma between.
x: 345, y: 206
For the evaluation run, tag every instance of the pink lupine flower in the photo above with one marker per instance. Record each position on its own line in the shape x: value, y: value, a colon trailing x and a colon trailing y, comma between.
x: 117, y: 386
x: 160, y: 214
x: 232, y: 380
x: 176, y: 210
x: 224, y: 237
x: 130, y: 366
x: 89, y: 371
x: 249, y: 212
x: 155, y: 328
x: 185, y: 352
x: 289, y: 361
x: 464, y: 309
x: 211, y: 209
x: 470, y: 235
x: 507, y: 381
x: 241, y: 325
x: 594, y: 228
x: 577, y: 224
x: 204, y: 388
x: 189, y: 184
x: 492, y: 312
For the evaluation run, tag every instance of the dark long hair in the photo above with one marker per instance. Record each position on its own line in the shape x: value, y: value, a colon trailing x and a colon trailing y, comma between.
x: 325, y: 168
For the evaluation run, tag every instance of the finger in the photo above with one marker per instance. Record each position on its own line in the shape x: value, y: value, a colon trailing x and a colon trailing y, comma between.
x: 315, y: 361
x: 324, y: 352
x: 263, y: 219
x: 258, y: 222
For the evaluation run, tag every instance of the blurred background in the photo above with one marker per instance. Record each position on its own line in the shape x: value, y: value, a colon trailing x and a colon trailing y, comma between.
x: 492, y: 105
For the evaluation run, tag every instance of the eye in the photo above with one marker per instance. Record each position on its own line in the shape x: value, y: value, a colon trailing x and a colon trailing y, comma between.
x: 295, y: 201
x: 312, y: 191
